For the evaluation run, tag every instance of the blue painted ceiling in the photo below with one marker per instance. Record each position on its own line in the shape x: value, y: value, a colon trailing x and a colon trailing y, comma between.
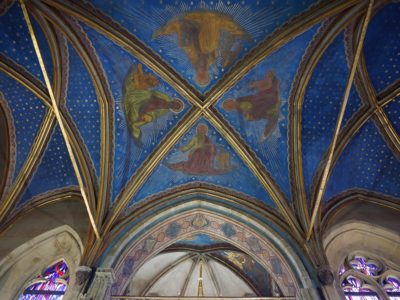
x: 245, y: 145
x: 242, y: 23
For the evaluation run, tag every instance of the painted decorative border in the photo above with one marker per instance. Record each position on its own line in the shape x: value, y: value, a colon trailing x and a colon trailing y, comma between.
x: 179, y: 227
x: 194, y: 186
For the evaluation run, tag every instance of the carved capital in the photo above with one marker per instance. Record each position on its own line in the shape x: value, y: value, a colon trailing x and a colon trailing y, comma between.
x: 100, y: 287
x: 325, y: 275
x: 82, y: 275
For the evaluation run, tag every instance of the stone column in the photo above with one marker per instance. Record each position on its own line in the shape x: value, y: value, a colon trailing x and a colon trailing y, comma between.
x: 308, y: 294
x: 100, y: 286
x: 309, y: 291
x: 82, y: 276
x: 331, y: 292
x: 330, y: 288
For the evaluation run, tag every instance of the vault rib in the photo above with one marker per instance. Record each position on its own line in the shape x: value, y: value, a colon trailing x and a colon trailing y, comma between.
x: 314, y: 52
x: 58, y: 116
x: 331, y: 149
x: 277, y: 39
x: 105, y: 25
x: 262, y: 175
x: 19, y: 74
x: 368, y: 95
x: 87, y: 54
x: 165, y: 270
x: 354, y: 125
x: 144, y: 171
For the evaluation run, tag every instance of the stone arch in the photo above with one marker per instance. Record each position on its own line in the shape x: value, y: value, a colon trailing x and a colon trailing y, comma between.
x: 43, y: 213
x: 152, y: 274
x: 360, y: 237
x: 361, y: 224
x: 24, y: 263
x: 261, y: 242
x: 8, y: 148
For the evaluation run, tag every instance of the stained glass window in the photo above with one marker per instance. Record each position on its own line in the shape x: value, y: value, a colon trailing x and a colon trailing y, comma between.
x: 50, y: 285
x: 361, y: 278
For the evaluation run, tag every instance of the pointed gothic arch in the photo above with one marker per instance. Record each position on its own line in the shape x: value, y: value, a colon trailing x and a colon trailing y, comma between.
x: 145, y: 239
x: 26, y: 262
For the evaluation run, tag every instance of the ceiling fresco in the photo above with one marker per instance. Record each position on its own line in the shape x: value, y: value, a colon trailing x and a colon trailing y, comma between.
x: 200, y: 240
x: 251, y: 268
x: 203, y: 155
x: 257, y: 106
x: 211, y: 250
x: 146, y: 107
x: 234, y: 100
x: 202, y: 40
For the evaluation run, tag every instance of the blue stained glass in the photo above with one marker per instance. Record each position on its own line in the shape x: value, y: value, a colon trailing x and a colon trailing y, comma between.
x: 56, y: 271
x: 392, y: 284
x: 358, y: 288
x: 50, y: 285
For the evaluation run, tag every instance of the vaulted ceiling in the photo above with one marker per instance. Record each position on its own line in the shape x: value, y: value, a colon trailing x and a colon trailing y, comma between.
x: 236, y: 97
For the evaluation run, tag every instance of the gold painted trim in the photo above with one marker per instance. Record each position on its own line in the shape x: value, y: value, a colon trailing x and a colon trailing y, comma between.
x: 346, y: 94
x: 118, y: 202
x: 194, y: 189
x: 266, y: 181
x: 277, y: 39
x: 390, y: 92
x: 389, y: 131
x: 102, y: 23
x: 41, y: 140
x: 321, y: 41
x: 59, y: 56
x: 70, y: 193
x: 57, y: 53
x: 142, y: 174
x: 159, y: 201
x: 296, y: 98
x: 74, y: 6
x: 87, y: 54
x: 13, y: 70
x: 10, y: 153
x: 353, y: 126
x: 327, y: 10
x: 58, y: 117
x: 372, y: 102
x: 144, y: 171
x: 35, y: 86
x: 364, y: 84
x: 27, y: 80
